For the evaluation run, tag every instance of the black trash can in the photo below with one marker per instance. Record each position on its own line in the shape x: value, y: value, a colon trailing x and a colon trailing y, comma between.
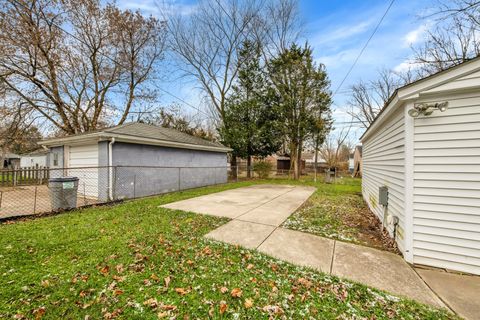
x: 63, y: 193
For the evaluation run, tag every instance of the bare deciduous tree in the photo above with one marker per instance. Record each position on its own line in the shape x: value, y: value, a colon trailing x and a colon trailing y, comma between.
x: 452, y: 40
x: 73, y: 78
x: 336, y: 147
x: 368, y: 98
x: 447, y: 45
x: 207, y: 42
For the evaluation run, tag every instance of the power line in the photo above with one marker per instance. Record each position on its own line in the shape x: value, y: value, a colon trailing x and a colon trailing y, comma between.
x: 116, y: 62
x: 364, y: 47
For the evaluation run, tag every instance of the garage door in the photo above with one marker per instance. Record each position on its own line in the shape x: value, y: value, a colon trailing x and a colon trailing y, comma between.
x: 85, y: 158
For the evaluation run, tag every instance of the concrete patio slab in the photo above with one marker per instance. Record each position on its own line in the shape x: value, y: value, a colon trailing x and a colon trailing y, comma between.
x: 460, y: 292
x: 275, y: 212
x: 382, y: 270
x: 247, y: 234
x: 299, y: 248
x: 232, y: 203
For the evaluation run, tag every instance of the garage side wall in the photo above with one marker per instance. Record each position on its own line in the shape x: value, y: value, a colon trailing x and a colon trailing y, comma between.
x: 446, y: 219
x: 143, y: 170
x: 384, y: 165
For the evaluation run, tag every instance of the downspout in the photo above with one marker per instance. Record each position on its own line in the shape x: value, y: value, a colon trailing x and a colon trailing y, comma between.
x: 110, y: 168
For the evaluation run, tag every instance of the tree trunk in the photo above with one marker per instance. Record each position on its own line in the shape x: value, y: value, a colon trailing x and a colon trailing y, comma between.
x: 233, y: 167
x: 249, y: 166
x: 294, y: 160
x: 315, y: 162
x: 299, y: 158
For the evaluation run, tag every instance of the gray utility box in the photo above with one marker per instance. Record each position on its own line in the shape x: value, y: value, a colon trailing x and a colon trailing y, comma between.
x: 63, y: 193
x: 383, y: 196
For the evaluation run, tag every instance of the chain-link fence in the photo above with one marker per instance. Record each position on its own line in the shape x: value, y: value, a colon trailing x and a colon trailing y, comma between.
x: 27, y: 191
x: 31, y: 193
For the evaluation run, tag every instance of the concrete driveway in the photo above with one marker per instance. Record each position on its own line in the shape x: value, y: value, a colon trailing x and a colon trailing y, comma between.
x: 257, y: 213
x: 267, y: 205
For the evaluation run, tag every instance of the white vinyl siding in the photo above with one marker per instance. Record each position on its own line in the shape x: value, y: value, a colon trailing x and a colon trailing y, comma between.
x: 446, y: 224
x: 85, y: 159
x: 384, y: 165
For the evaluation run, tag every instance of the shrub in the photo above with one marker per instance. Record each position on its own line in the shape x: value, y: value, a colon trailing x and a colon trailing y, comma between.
x: 262, y: 168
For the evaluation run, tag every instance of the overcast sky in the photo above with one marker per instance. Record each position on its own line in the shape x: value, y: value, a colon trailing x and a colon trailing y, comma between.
x: 337, y: 31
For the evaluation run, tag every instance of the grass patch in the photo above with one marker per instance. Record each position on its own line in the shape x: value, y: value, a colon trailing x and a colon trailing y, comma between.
x: 138, y: 261
x: 338, y: 211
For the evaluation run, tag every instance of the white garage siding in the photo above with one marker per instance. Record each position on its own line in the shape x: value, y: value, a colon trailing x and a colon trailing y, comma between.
x: 384, y: 165
x: 446, y: 222
x: 85, y: 158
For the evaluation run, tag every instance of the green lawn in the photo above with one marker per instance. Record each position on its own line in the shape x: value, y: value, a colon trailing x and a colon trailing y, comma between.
x: 138, y: 261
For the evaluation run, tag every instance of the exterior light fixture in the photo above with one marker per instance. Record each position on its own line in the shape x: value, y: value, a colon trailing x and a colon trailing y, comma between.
x: 427, y: 109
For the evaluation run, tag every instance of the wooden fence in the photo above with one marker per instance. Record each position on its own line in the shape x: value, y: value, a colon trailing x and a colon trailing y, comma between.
x: 24, y: 176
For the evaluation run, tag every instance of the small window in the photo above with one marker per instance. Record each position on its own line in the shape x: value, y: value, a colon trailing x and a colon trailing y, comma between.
x: 55, y: 159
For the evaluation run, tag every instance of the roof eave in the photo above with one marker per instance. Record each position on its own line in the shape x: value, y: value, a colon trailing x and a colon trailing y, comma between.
x: 413, y: 90
x: 102, y: 136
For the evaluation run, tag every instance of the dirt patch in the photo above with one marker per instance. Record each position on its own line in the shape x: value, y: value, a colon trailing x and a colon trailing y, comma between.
x: 369, y: 231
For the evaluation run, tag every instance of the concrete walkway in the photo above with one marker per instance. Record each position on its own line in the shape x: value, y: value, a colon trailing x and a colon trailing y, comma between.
x: 257, y: 213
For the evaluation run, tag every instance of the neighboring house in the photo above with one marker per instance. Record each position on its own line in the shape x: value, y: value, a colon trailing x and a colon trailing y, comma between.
x: 11, y: 161
x: 357, y: 162
x: 351, y: 162
x: 282, y: 162
x: 424, y: 146
x: 137, y: 159
x: 309, y: 158
x: 37, y: 158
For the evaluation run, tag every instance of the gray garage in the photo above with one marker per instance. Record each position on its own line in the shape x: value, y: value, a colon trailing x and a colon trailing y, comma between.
x: 135, y: 160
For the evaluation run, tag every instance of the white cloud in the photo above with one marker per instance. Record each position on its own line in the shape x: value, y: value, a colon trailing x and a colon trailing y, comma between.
x: 341, y: 33
x: 156, y: 8
x: 415, y: 36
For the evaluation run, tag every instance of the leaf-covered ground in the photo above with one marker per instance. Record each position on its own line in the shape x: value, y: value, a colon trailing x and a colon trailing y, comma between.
x: 138, y: 261
x: 338, y: 211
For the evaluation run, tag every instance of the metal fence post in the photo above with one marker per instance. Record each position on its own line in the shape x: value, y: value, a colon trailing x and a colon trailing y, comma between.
x: 84, y: 195
x: 1, y: 198
x: 134, y: 185
x: 179, y: 175
x: 114, y: 183
x: 236, y: 173
x: 35, y: 201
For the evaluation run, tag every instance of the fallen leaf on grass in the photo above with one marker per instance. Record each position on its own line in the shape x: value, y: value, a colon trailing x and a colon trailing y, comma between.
x: 304, y: 282
x: 152, y: 302
x: 207, y: 251
x: 236, y: 293
x: 167, y: 281
x: 181, y: 291
x: 223, y: 307
x: 112, y: 315
x: 248, y: 303
x: 223, y: 289
x: 117, y: 292
x: 38, y: 313
x: 168, y: 307
x: 105, y: 270
x: 119, y: 278
x: 276, y: 310
x: 119, y: 268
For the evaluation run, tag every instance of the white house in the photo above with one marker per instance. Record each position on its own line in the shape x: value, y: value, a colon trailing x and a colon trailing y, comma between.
x: 38, y: 158
x: 424, y: 147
